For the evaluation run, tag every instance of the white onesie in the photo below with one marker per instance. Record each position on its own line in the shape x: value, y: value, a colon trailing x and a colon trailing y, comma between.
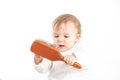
x: 59, y: 70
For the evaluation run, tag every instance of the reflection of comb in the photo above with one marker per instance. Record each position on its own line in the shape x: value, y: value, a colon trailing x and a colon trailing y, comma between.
x: 42, y: 49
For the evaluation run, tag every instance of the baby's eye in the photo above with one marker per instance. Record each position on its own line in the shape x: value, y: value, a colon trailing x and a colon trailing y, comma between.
x: 66, y: 36
x: 56, y: 36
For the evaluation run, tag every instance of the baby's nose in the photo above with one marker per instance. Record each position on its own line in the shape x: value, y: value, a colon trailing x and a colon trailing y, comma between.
x: 60, y: 39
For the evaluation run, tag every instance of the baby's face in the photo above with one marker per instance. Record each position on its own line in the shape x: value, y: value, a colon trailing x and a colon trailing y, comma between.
x: 65, y: 37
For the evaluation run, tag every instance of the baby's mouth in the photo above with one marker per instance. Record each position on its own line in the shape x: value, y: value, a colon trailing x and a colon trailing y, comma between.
x: 61, y: 46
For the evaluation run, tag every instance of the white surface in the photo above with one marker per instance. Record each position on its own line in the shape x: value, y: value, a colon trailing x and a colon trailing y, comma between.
x: 23, y: 21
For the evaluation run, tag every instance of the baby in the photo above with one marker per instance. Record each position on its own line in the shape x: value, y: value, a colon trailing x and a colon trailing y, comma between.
x: 66, y: 35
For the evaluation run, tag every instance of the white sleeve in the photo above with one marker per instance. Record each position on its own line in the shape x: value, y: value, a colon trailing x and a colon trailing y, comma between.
x: 44, y: 66
x: 80, y: 54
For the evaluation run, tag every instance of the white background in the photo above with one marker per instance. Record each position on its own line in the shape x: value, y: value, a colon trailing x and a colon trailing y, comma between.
x: 23, y: 21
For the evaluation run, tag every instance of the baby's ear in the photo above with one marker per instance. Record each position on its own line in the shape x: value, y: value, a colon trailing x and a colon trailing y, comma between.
x: 78, y: 37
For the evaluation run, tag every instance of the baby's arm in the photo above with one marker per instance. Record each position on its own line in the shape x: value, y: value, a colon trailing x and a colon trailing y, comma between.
x: 73, y: 54
x: 41, y: 64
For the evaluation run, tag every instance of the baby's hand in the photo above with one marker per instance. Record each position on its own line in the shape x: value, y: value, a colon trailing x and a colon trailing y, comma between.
x: 37, y: 59
x: 70, y: 59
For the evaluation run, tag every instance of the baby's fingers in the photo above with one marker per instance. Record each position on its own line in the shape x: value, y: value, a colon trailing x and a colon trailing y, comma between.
x: 69, y: 59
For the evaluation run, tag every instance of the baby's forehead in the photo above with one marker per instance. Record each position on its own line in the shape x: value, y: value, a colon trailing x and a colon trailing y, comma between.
x: 64, y: 32
x: 64, y: 26
x: 57, y: 33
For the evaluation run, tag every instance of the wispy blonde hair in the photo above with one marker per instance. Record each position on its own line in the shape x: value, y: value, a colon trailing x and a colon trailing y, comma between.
x: 64, y: 18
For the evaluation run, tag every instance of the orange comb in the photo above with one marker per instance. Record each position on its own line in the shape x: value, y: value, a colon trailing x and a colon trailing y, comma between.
x: 42, y: 49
